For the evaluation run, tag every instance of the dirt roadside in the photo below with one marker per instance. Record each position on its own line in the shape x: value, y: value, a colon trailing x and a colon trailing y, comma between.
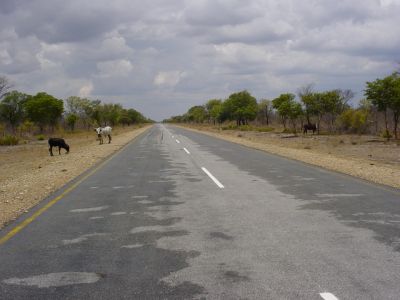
x: 365, y: 157
x: 29, y: 174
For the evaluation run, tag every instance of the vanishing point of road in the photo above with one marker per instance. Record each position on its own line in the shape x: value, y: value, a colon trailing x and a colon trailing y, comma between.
x: 180, y: 215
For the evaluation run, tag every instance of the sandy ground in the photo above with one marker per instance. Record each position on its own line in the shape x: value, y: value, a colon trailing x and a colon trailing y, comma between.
x: 28, y: 174
x: 366, y: 157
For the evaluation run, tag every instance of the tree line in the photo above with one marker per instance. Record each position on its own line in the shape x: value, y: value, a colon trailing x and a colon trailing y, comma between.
x: 377, y: 113
x: 20, y: 112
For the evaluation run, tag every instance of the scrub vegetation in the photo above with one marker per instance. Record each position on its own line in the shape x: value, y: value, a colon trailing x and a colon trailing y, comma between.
x: 24, y: 117
x: 377, y: 114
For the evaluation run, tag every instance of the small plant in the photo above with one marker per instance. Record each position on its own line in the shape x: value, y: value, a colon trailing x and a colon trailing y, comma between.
x: 9, y: 140
x: 40, y: 137
x: 386, y: 134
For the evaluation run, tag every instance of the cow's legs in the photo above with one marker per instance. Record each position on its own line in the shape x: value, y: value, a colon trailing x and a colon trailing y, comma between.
x: 51, y: 150
x: 109, y: 138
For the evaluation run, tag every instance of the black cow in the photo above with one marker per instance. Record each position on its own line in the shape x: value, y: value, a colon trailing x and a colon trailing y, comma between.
x: 57, y: 142
x: 309, y: 126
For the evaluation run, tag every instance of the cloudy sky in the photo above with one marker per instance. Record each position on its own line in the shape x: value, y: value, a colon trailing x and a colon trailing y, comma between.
x: 164, y: 56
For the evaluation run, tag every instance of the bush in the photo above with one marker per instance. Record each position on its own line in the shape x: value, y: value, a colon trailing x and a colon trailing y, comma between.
x: 40, y: 137
x: 9, y: 140
x: 386, y: 134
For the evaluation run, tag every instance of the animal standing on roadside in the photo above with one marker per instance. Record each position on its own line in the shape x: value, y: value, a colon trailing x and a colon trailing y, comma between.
x: 309, y: 126
x: 103, y: 132
x: 57, y: 142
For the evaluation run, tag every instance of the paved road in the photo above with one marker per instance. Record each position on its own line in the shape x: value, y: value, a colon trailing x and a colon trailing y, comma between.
x: 180, y: 215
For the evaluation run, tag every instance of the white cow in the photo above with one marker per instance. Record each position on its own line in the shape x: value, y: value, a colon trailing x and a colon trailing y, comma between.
x: 103, y: 132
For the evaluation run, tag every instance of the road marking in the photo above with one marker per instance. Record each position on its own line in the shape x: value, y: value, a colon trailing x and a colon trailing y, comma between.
x: 186, y: 150
x: 29, y: 220
x: 177, y: 141
x: 216, y: 181
x: 328, y: 296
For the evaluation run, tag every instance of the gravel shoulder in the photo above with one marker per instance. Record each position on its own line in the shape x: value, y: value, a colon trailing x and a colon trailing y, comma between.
x: 365, y: 157
x: 29, y: 174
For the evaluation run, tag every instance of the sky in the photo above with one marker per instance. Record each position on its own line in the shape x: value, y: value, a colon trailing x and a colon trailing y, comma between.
x: 163, y: 56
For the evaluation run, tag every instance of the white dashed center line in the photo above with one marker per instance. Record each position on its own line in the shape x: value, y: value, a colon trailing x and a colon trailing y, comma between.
x: 178, y: 141
x: 186, y: 150
x: 216, y: 181
x: 328, y: 296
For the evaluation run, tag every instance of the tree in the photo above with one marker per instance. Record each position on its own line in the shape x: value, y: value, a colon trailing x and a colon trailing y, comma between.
x: 5, y: 86
x: 135, y: 116
x: 385, y: 95
x: 43, y: 109
x: 265, y: 110
x: 214, y: 108
x: 306, y: 95
x: 71, y: 120
x: 111, y: 113
x: 12, y: 108
x: 288, y: 108
x: 197, y: 114
x: 242, y: 107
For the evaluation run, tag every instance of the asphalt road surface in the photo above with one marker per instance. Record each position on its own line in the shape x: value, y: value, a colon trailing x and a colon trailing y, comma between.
x: 180, y: 215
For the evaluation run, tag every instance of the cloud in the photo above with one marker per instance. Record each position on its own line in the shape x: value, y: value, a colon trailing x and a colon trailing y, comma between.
x: 114, y: 68
x: 183, y: 52
x: 86, y: 90
x: 168, y: 78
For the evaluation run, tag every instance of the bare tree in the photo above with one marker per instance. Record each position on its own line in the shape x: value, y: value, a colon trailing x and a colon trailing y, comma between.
x: 5, y: 86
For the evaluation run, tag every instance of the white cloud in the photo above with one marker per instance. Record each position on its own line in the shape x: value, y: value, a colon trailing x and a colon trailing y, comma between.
x: 86, y: 90
x: 169, y: 78
x: 114, y: 68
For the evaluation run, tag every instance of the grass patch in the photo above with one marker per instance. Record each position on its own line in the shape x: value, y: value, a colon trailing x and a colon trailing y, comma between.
x: 40, y: 137
x: 9, y: 140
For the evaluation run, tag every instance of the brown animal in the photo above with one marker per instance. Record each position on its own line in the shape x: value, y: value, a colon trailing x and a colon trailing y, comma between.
x: 57, y: 142
x: 309, y: 126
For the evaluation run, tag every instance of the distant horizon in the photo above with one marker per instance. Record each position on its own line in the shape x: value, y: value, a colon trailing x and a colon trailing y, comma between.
x: 161, y: 58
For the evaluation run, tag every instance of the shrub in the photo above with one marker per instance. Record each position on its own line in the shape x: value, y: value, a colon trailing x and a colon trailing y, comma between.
x: 40, y: 137
x: 9, y: 140
x: 386, y: 134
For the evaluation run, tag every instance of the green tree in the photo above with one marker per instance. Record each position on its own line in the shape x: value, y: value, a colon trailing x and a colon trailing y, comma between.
x: 135, y: 116
x: 241, y: 106
x: 111, y: 113
x: 43, y: 109
x: 307, y: 97
x: 214, y: 109
x: 288, y: 109
x: 197, y: 114
x: 71, y: 120
x: 385, y: 96
x: 12, y: 108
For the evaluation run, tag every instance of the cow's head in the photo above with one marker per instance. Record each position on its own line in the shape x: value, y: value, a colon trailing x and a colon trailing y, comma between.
x: 98, y: 131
